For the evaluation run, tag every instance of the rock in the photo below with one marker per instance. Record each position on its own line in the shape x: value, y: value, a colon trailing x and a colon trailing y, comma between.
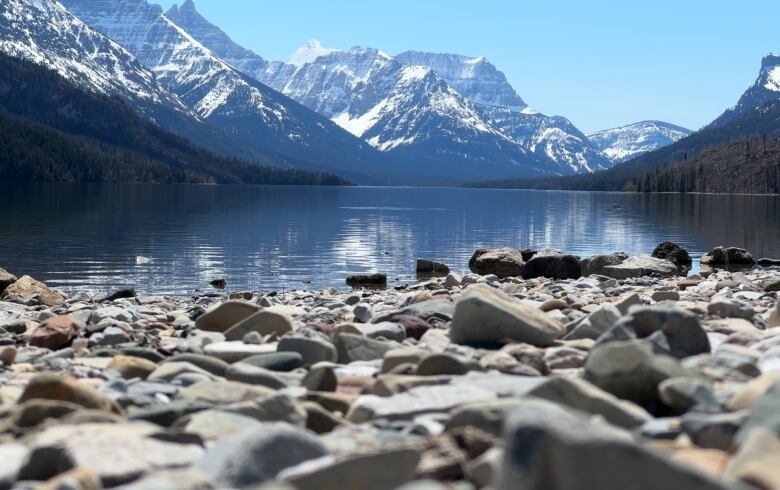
x: 25, y: 287
x: 688, y: 394
x: 111, y: 336
x: 773, y: 321
x: 311, y: 348
x: 772, y: 286
x: 581, y: 395
x: 266, y: 323
x: 55, y: 333
x: 183, y: 479
x: 632, y: 371
x: 757, y: 462
x: 223, y: 392
x: 386, y: 470
x: 118, y: 453
x: 231, y: 352
x: 224, y: 315
x: 752, y: 391
x: 768, y: 262
x: 362, y: 313
x: 123, y: 293
x: 728, y: 256
x: 218, y: 283
x: 415, y: 327
x: 367, y: 280
x: 276, y: 361
x: 384, y: 330
x: 503, y: 262
x: 673, y: 253
x: 731, y: 309
x: 396, y: 357
x: 6, y: 279
x: 54, y: 387
x: 549, y: 448
x: 353, y: 348
x: 764, y: 414
x: 213, y: 425
x: 669, y: 328
x: 13, y: 457
x: 453, y: 280
x: 554, y: 266
x: 641, y: 266
x: 446, y: 364
x: 320, y: 378
x: 596, y: 324
x: 210, y: 364
x: 7, y: 355
x: 132, y: 367
x: 486, y: 315
x: 713, y: 431
x: 252, y: 375
x: 425, y: 266
x: 595, y: 265
x: 259, y: 455
x: 660, y: 296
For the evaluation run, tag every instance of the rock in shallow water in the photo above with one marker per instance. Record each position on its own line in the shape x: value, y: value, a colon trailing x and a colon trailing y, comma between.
x: 503, y: 262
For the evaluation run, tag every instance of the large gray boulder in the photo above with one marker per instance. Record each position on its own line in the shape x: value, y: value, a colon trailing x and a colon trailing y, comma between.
x: 258, y: 455
x: 641, y: 266
x: 550, y: 448
x: 503, y: 262
x: 487, y: 315
x: 595, y: 265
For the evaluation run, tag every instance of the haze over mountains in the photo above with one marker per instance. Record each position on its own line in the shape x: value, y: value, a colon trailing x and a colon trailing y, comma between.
x: 413, y: 118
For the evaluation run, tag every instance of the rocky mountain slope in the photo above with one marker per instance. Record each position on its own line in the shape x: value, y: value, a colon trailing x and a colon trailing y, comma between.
x: 221, y: 94
x: 765, y: 90
x: 627, y: 142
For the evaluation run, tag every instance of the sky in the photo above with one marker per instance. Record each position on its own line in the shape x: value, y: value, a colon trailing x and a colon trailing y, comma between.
x: 600, y: 63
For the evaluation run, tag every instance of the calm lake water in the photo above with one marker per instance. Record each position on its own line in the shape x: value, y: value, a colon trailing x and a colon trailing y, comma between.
x: 175, y: 239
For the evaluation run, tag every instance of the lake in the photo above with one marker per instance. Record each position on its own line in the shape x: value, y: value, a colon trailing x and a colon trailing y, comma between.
x: 174, y: 239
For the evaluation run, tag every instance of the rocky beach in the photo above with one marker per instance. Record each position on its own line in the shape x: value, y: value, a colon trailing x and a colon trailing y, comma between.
x: 536, y: 371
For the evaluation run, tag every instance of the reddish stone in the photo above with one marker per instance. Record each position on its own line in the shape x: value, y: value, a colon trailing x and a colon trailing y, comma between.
x: 55, y: 333
x: 415, y: 326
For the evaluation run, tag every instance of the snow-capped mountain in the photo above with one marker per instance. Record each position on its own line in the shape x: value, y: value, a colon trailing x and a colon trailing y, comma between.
x: 765, y: 90
x: 44, y: 32
x: 221, y: 94
x: 624, y: 143
x: 475, y: 78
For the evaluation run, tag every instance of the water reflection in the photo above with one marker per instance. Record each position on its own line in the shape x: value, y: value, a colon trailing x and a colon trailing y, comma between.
x: 90, y: 236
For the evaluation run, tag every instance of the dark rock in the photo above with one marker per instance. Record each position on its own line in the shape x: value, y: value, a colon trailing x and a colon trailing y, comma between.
x: 435, y: 311
x: 713, y: 431
x: 378, y: 279
x: 353, y: 348
x: 762, y: 262
x: 672, y: 330
x: 553, y: 266
x: 728, y: 256
x: 321, y: 378
x: 673, y: 253
x: 431, y: 267
x: 276, y: 361
x: 124, y: 293
x: 446, y: 364
x: 218, y: 283
x: 252, y: 375
x: 415, y: 326
x: 207, y: 363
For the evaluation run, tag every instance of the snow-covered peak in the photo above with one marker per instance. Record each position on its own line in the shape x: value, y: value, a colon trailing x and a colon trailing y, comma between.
x: 627, y: 142
x: 770, y: 73
x: 474, y: 77
x: 765, y: 90
x: 309, y: 52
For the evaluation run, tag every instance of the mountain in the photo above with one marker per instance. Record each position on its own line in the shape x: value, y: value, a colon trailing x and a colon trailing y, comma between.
x: 554, y: 139
x: 765, y: 90
x: 53, y: 130
x: 225, y: 97
x: 627, y: 142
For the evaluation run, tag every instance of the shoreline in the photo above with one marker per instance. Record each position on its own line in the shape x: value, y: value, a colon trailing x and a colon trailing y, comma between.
x: 427, y: 383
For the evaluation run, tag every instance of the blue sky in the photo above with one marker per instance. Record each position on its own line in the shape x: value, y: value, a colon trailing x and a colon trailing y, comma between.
x: 601, y: 63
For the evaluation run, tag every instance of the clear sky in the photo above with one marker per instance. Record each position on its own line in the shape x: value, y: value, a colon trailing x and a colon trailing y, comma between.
x: 601, y: 63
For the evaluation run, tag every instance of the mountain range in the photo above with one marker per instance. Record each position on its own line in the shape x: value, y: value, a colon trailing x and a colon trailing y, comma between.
x: 413, y: 118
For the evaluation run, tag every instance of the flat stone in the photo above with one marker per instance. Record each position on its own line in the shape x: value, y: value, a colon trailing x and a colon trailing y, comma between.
x: 311, y: 348
x: 213, y: 425
x: 446, y: 364
x: 26, y: 286
x: 267, y: 324
x: 596, y: 324
x: 209, y: 364
x: 396, y: 357
x: 639, y: 267
x: 118, y: 453
x: 581, y: 395
x: 276, y: 361
x: 386, y: 470
x: 386, y: 330
x: 224, y: 315
x: 223, y: 392
x: 132, y: 367
x: 253, y: 375
x: 486, y: 315
x: 231, y: 352
x: 731, y: 309
x: 259, y: 455
x: 169, y: 371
